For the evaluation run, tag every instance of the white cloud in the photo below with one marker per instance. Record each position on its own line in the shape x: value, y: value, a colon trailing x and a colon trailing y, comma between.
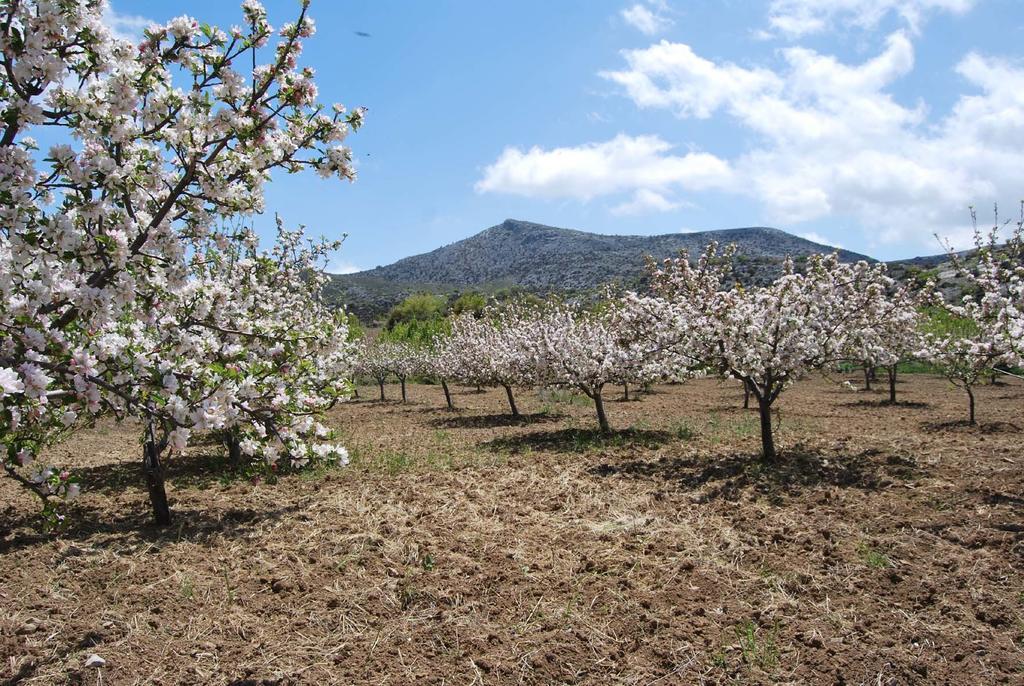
x: 829, y: 139
x: 644, y: 19
x: 342, y: 267
x: 645, y: 200
x: 672, y: 75
x: 622, y: 164
x: 815, y: 237
x: 127, y: 27
x: 797, y: 18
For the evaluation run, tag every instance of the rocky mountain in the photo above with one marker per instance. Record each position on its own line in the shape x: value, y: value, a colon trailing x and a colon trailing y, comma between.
x: 540, y: 259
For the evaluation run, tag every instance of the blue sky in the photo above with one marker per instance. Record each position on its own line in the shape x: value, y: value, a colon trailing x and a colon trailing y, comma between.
x: 869, y: 124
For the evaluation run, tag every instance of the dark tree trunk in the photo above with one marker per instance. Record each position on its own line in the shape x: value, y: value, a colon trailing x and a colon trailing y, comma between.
x: 511, y: 400
x: 234, y: 450
x: 970, y: 398
x: 625, y: 391
x: 892, y: 383
x: 867, y: 378
x: 154, y: 472
x: 447, y: 394
x: 381, y: 384
x: 602, y: 418
x: 746, y: 395
x: 355, y: 391
x: 768, y: 454
x: 402, y: 381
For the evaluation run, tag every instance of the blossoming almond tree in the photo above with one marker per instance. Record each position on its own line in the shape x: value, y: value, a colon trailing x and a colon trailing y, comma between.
x: 443, y: 361
x: 970, y: 338
x: 373, y: 360
x: 405, y: 360
x: 497, y: 349
x: 997, y: 276
x: 767, y: 337
x: 888, y: 331
x: 155, y: 144
x: 961, y: 342
x: 588, y: 350
x: 260, y: 357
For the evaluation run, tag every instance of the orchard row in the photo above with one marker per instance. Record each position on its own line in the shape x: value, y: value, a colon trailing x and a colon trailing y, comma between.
x: 696, y: 321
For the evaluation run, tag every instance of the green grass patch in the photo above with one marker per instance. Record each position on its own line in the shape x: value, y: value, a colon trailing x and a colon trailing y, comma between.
x: 759, y: 647
x: 873, y: 558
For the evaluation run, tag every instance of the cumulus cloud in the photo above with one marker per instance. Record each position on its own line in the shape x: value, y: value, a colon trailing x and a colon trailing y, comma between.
x: 816, y: 237
x: 124, y: 26
x: 644, y: 201
x: 795, y: 18
x: 620, y: 165
x: 829, y: 139
x: 672, y: 75
x: 342, y: 267
x: 647, y: 20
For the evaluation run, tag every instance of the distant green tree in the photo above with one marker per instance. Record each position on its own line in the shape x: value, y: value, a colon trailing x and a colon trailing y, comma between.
x: 417, y: 332
x: 473, y: 302
x: 417, y: 307
x: 356, y: 330
x: 519, y: 296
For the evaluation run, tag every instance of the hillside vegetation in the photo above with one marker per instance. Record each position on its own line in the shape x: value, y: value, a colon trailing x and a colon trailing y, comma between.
x: 542, y: 259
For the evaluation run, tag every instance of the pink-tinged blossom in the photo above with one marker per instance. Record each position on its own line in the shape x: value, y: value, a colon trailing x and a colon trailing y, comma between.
x: 128, y: 288
x: 177, y: 440
x: 10, y: 382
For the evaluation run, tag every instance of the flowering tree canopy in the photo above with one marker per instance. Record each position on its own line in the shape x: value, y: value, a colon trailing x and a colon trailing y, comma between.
x: 889, y: 331
x: 588, y: 350
x: 497, y: 349
x: 116, y: 296
x: 968, y: 339
x: 769, y: 336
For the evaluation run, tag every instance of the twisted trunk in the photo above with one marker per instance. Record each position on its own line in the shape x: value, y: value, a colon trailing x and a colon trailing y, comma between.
x: 153, y: 470
x: 402, y: 381
x: 768, y: 453
x: 970, y: 398
x: 234, y: 449
x: 602, y: 418
x: 380, y: 383
x: 892, y: 383
x: 447, y: 394
x: 511, y: 400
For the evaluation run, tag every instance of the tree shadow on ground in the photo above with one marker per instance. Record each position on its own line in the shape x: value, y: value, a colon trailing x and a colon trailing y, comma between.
x: 492, y: 421
x: 884, y: 402
x: 964, y: 426
x: 193, y: 470
x: 727, y: 477
x: 738, y: 407
x: 133, y: 522
x: 98, y: 528
x: 441, y: 409
x: 998, y: 427
x: 992, y: 497
x: 578, y: 440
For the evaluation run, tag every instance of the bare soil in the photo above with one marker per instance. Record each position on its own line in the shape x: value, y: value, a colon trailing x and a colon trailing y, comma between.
x: 466, y: 547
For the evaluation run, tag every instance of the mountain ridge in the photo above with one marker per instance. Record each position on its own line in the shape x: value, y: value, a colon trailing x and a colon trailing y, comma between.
x: 517, y: 254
